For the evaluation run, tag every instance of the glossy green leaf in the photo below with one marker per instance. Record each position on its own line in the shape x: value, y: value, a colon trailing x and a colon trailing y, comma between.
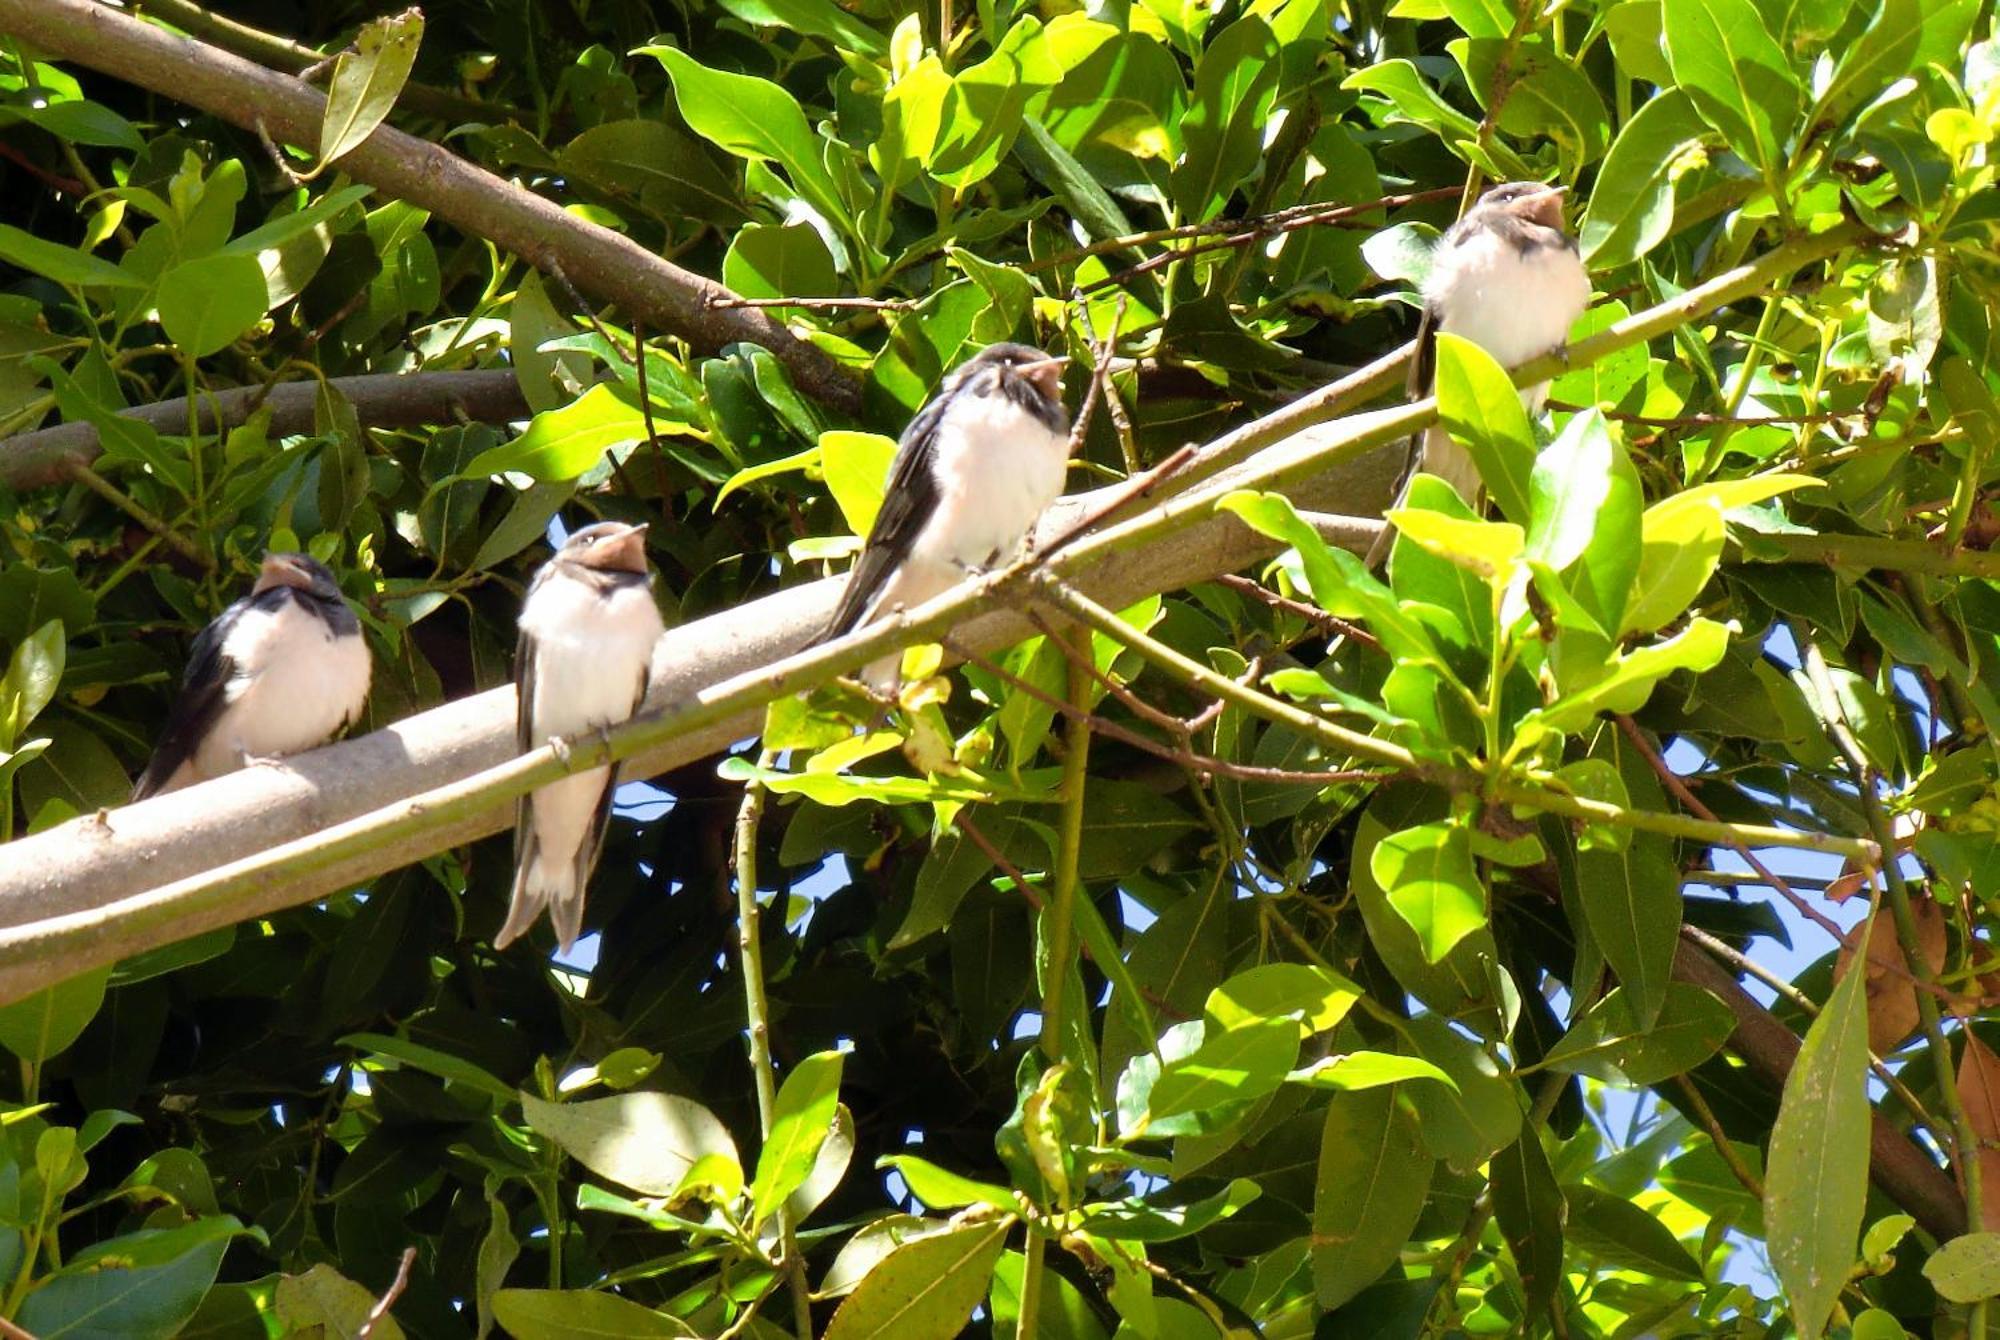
x: 142, y: 1286
x: 1474, y: 1117
x: 1622, y: 1234
x: 1432, y: 883
x: 323, y: 1301
x: 1138, y: 1220
x: 941, y: 1189
x: 1530, y: 1209
x: 551, y: 1314
x: 1232, y: 1066
x: 1478, y: 403
x: 1234, y: 82
x: 814, y: 18
x: 367, y: 80
x: 206, y: 303
x: 925, y: 1289
x: 1966, y: 1269
x: 1317, y: 997
x: 800, y: 1121
x: 1367, y: 1193
x: 45, y: 1024
x: 1606, y: 1043
x: 1347, y: 1071
x: 1631, y: 896
x: 1698, y: 647
x: 561, y: 444
x: 645, y: 1141
x: 1726, y: 60
x: 856, y: 466
x: 982, y: 112
x: 1816, y: 1175
x: 1632, y: 206
x: 65, y: 265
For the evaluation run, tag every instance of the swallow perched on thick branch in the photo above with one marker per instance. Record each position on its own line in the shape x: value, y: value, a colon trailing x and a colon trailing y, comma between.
x: 1508, y: 278
x: 281, y: 671
x: 972, y: 474
x: 589, y: 629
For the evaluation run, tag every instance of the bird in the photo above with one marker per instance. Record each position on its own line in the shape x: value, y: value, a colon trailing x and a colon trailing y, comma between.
x: 1507, y: 277
x: 281, y: 671
x: 588, y: 633
x: 971, y: 476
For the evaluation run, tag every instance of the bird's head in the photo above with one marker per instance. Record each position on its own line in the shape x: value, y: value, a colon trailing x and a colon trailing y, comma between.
x: 1008, y: 362
x: 301, y: 571
x: 608, y: 546
x: 1532, y: 201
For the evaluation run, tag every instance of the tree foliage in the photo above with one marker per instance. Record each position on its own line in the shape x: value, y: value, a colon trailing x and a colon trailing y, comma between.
x: 1311, y: 952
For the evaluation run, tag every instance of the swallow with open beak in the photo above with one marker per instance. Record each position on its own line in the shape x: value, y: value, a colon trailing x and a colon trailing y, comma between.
x: 1508, y: 278
x: 281, y: 671
x: 972, y: 474
x: 589, y: 629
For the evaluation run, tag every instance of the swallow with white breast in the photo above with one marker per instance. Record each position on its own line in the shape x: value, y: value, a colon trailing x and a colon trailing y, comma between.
x: 281, y: 671
x: 971, y: 476
x: 589, y: 630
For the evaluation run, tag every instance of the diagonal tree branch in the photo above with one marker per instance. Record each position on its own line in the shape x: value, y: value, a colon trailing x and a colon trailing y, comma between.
x: 597, y: 260
x: 381, y: 399
x: 106, y: 885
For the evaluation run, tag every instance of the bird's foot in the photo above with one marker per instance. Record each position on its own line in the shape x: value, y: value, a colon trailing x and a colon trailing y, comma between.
x: 559, y: 745
x: 247, y: 759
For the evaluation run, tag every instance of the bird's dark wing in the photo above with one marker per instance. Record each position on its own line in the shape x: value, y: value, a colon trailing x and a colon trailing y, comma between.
x: 198, y: 704
x: 1423, y: 363
x: 524, y: 735
x: 909, y: 502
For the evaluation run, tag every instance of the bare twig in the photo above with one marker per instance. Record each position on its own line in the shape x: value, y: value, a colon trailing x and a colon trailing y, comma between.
x: 388, y: 1299
x: 1133, y: 491
x: 125, y: 503
x: 381, y: 400
x: 1312, y: 614
x: 858, y: 303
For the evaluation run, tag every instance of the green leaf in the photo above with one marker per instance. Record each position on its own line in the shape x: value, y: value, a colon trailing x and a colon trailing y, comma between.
x: 1816, y: 1175
x: 645, y: 1141
x: 1475, y: 1116
x: 1235, y: 80
x: 751, y: 118
x: 367, y: 81
x: 1681, y: 544
x: 1528, y: 1205
x: 1056, y: 168
x: 1317, y: 997
x: 430, y: 1061
x: 1136, y: 1220
x: 982, y: 112
x: 1367, y: 1193
x: 1631, y: 208
x: 142, y: 1286
x: 856, y: 466
x: 1607, y: 1044
x: 561, y: 444
x: 579, y: 1314
x: 669, y: 174
x: 1885, y: 51
x: 813, y: 18
x: 941, y: 1189
x: 1432, y: 883
x: 325, y: 1302
x: 779, y: 261
x: 1411, y: 99
x: 1478, y: 403
x: 924, y: 1290
x: 1345, y: 1072
x: 1631, y: 896
x: 1230, y: 1068
x: 33, y: 672
x: 65, y: 265
x: 1573, y: 481
x: 206, y: 303
x: 1725, y: 59
x: 800, y: 1121
x: 1615, y: 1230
x: 43, y: 1025
x: 1698, y: 647
x: 1967, y: 1268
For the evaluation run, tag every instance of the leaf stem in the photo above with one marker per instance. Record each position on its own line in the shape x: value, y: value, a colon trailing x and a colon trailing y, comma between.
x: 750, y: 950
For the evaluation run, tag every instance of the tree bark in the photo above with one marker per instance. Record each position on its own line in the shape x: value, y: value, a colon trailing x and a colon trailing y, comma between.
x: 598, y: 261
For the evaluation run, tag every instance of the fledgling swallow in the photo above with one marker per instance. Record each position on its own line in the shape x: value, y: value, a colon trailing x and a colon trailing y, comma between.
x: 281, y: 671
x: 972, y: 474
x: 589, y: 629
x: 1508, y: 278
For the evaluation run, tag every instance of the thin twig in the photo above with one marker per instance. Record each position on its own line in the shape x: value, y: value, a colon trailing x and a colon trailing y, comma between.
x: 125, y: 503
x: 389, y: 1297
x: 1706, y: 1116
x: 1319, y: 618
x: 864, y: 304
x: 1136, y: 490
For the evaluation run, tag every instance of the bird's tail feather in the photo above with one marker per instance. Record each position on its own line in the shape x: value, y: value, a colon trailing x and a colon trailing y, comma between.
x: 535, y: 888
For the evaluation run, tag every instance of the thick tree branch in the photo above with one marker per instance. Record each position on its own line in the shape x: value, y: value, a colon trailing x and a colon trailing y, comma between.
x: 598, y: 261
x: 107, y: 885
x: 1906, y: 1174
x: 382, y: 400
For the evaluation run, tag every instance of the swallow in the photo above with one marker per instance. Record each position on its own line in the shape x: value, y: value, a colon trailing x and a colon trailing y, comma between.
x: 281, y: 671
x: 589, y: 630
x: 971, y: 476
x: 1508, y: 278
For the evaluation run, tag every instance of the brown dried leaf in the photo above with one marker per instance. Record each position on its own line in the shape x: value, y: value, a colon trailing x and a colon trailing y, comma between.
x: 1892, y: 997
x: 1979, y: 1095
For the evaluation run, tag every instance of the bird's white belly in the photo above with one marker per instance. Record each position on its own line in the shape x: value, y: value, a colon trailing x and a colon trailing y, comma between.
x: 997, y: 468
x: 296, y: 684
x: 589, y: 662
x: 1514, y: 306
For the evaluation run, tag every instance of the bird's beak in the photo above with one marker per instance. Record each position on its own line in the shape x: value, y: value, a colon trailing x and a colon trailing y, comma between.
x: 1046, y: 375
x: 280, y: 570
x: 628, y: 551
x: 1546, y: 207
